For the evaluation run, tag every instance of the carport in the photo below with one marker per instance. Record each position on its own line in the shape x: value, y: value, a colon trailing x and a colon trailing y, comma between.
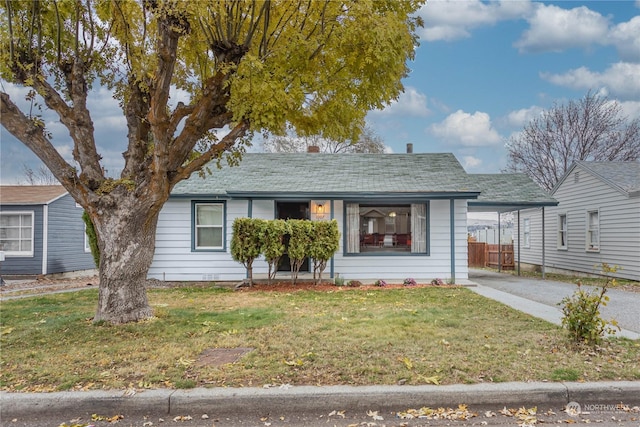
x: 502, y: 193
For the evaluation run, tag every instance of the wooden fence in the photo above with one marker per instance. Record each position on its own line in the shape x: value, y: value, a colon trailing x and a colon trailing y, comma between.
x: 485, y: 255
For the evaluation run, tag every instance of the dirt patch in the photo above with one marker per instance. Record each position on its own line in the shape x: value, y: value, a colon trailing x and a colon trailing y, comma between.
x: 221, y: 356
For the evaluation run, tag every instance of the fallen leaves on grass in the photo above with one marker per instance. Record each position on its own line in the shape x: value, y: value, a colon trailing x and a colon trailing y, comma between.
x: 459, y: 413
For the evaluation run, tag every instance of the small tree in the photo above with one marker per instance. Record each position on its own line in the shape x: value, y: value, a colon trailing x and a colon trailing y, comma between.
x: 246, y: 243
x: 325, y: 242
x: 299, y: 243
x: 273, y: 244
x: 581, y: 312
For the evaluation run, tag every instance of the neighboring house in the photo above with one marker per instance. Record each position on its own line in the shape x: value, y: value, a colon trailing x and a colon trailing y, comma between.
x: 41, y: 231
x: 596, y: 221
x: 399, y: 215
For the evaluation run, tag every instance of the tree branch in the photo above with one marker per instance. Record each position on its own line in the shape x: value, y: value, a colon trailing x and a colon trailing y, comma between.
x: 214, y: 151
x: 33, y: 136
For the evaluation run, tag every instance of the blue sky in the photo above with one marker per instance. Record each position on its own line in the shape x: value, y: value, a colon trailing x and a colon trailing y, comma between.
x: 482, y: 71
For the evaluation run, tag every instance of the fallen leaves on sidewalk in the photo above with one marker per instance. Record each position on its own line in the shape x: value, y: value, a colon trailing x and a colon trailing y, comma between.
x: 460, y: 413
x: 113, y: 419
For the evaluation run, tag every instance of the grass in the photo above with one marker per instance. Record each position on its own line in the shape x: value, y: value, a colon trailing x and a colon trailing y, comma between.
x: 350, y: 336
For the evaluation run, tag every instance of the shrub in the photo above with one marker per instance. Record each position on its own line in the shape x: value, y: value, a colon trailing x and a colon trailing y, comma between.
x: 93, y: 239
x: 409, y: 282
x: 437, y: 282
x: 325, y: 242
x: 354, y: 284
x: 380, y: 282
x: 581, y: 312
x: 339, y: 281
x: 246, y: 242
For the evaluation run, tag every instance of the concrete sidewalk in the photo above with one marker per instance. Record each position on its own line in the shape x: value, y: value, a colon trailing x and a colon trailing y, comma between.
x: 540, y: 298
x: 314, y: 400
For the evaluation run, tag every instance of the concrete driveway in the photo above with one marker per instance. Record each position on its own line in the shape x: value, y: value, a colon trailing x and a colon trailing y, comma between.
x: 540, y: 298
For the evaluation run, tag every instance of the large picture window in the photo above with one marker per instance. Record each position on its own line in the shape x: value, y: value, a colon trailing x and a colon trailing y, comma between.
x: 386, y: 228
x: 208, y: 227
x: 16, y: 233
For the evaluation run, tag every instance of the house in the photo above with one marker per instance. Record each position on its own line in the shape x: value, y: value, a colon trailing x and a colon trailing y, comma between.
x: 399, y: 215
x: 41, y: 231
x: 597, y: 221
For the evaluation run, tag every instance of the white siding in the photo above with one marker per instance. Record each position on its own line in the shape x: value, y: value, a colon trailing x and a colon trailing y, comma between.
x: 619, y: 228
x: 174, y: 259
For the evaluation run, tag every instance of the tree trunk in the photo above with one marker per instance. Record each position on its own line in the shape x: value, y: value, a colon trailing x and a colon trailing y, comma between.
x: 126, y: 236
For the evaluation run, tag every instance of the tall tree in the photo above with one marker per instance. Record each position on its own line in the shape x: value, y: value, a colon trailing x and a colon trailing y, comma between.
x: 591, y: 128
x: 317, y: 66
x: 367, y: 142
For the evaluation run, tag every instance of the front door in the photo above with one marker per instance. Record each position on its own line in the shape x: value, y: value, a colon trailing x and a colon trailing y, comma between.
x: 291, y: 210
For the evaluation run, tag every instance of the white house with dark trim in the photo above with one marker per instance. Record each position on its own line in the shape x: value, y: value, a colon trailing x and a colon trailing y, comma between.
x: 597, y: 220
x: 400, y: 215
x: 41, y: 231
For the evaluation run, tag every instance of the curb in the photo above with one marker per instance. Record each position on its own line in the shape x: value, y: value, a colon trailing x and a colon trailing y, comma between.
x: 312, y: 399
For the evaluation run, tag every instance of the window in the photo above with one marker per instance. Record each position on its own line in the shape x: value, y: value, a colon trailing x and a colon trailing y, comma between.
x: 593, y: 231
x: 208, y: 230
x: 386, y: 228
x: 527, y: 233
x: 562, y: 231
x: 16, y: 233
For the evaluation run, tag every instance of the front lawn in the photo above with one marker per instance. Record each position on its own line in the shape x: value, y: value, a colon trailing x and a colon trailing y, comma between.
x: 347, y: 336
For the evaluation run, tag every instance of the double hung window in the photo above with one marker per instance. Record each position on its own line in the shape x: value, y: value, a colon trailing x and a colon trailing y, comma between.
x: 562, y: 231
x: 16, y: 233
x: 593, y: 231
x: 208, y: 226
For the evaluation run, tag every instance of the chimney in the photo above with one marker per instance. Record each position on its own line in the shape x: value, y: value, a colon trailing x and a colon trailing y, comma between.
x: 313, y: 149
x: 409, y: 148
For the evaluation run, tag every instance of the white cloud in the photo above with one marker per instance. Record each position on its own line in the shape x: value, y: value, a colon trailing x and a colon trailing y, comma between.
x: 630, y: 109
x: 469, y: 130
x: 555, y: 29
x: 621, y: 79
x: 520, y: 118
x: 411, y: 103
x: 470, y: 162
x: 452, y: 20
x: 626, y: 37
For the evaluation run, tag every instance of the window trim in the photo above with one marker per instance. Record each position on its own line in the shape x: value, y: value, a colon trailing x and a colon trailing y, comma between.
x: 359, y: 202
x: 562, y: 232
x: 26, y: 254
x: 526, y: 233
x: 194, y: 207
x: 589, y: 231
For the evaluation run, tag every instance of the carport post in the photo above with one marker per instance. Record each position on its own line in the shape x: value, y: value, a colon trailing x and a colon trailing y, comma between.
x: 518, y: 242
x: 543, y: 233
x: 499, y: 245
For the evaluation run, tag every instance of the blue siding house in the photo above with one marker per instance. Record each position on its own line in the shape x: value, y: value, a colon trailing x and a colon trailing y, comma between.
x: 41, y: 231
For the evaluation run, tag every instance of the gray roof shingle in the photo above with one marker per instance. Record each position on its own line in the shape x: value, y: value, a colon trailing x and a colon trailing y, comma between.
x: 624, y: 176
x: 353, y: 175
x: 332, y: 173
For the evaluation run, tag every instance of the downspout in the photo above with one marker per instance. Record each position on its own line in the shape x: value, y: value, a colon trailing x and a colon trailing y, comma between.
x: 518, y: 242
x: 331, y: 217
x: 250, y: 208
x: 45, y: 238
x: 543, y: 246
x: 453, y: 239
